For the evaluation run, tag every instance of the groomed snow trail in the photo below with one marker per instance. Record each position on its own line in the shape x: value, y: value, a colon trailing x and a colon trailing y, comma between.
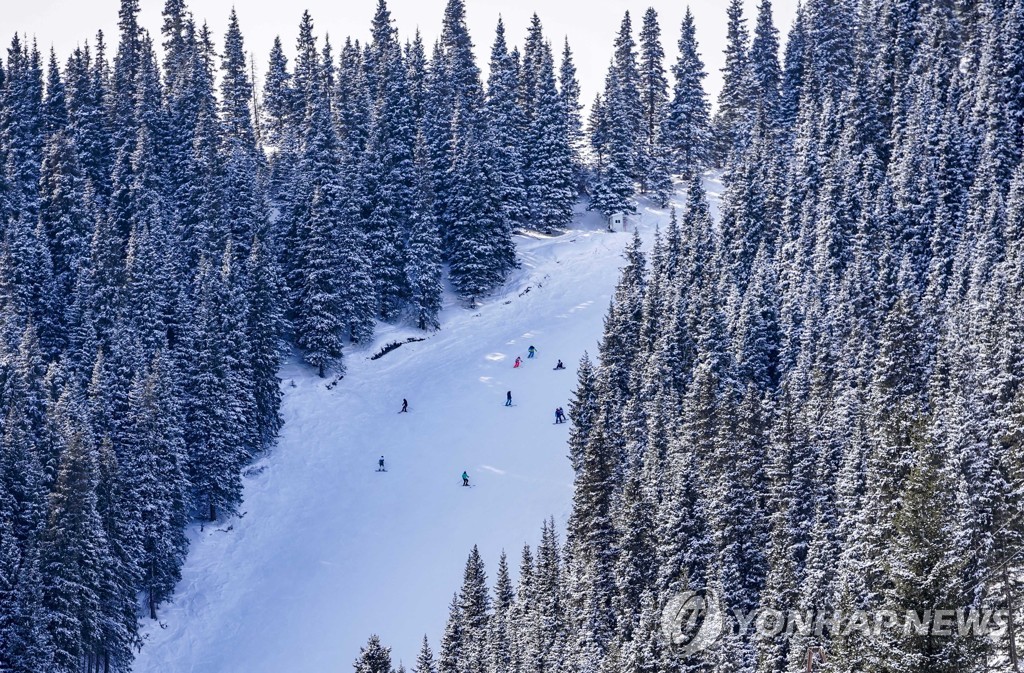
x: 329, y: 551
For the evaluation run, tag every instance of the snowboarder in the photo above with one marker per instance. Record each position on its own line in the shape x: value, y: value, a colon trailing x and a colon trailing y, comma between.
x: 559, y: 415
x: 559, y: 365
x: 405, y: 406
x: 380, y: 465
x: 508, y: 399
x: 519, y: 361
x: 533, y: 351
x: 465, y: 478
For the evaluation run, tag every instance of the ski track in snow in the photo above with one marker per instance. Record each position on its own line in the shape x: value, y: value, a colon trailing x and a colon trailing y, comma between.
x: 328, y: 550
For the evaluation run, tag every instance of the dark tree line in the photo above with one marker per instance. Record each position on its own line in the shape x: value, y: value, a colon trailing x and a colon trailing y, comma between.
x: 141, y: 326
x: 387, y: 166
x: 814, y: 402
x: 167, y: 228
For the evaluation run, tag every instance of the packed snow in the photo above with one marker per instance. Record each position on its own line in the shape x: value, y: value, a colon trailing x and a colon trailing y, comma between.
x: 328, y: 550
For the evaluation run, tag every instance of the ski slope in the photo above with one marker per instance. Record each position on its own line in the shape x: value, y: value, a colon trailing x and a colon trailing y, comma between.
x: 328, y: 550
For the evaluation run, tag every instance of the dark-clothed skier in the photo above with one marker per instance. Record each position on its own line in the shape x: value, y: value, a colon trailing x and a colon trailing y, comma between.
x: 559, y: 365
x: 405, y: 406
x: 380, y: 464
x: 532, y: 351
x: 508, y: 399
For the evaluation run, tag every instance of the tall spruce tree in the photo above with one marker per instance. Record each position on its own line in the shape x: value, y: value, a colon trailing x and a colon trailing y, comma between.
x: 686, y: 129
x: 734, y: 116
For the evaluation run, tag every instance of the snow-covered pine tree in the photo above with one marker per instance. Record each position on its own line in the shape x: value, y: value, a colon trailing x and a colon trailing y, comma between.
x: 86, y: 89
x: 245, y: 211
x: 55, y: 109
x: 319, y: 319
x: 549, y: 169
x: 424, y: 269
x: 374, y: 658
x: 22, y: 131
x: 73, y: 547
x: 507, y: 121
x: 613, y: 187
x: 569, y: 88
x: 66, y: 213
x: 653, y: 100
x: 279, y: 124
x: 155, y: 449
x: 793, y: 64
x: 481, y: 248
x: 499, y: 634
x: 474, y: 603
x: 265, y: 297
x: 451, y: 640
x: 621, y: 121
x: 216, y: 451
x: 765, y: 69
x: 389, y: 172
x: 416, y: 76
x: 425, y: 659
x: 734, y: 116
x: 687, y: 126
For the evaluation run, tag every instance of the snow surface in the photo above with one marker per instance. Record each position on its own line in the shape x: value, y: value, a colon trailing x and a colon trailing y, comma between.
x: 328, y: 550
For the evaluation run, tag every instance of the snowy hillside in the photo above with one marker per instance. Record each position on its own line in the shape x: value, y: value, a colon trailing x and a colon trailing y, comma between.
x: 328, y: 550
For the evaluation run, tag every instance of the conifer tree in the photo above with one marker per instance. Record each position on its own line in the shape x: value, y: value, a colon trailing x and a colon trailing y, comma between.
x: 569, y: 88
x: 764, y: 65
x: 390, y: 180
x: 654, y: 96
x: 156, y: 450
x: 481, y: 248
x: 374, y: 658
x: 622, y: 120
x: 734, y: 117
x: 686, y: 129
x: 73, y: 548
x: 507, y: 121
x: 66, y: 214
x: 425, y: 659
x: 424, y: 266
x: 549, y: 172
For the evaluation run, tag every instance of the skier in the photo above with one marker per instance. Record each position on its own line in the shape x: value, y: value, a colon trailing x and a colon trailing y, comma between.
x: 559, y: 415
x: 508, y: 399
x: 559, y: 365
x: 380, y: 465
x: 519, y: 361
x: 533, y: 351
x: 405, y: 406
x: 465, y: 478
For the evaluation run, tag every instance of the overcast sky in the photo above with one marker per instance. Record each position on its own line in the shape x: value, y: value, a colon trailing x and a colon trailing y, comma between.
x: 591, y: 25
